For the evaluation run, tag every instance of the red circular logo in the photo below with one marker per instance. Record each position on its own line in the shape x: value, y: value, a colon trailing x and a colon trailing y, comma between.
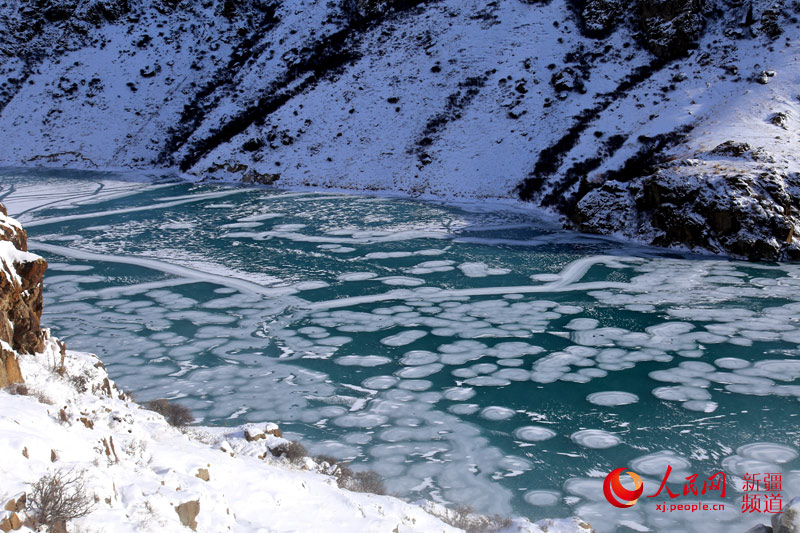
x: 619, y: 496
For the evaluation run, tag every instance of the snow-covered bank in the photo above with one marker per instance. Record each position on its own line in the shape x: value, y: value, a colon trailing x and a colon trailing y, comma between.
x: 139, y: 470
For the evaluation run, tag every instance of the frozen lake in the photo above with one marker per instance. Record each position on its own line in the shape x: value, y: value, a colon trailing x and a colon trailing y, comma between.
x: 471, y: 354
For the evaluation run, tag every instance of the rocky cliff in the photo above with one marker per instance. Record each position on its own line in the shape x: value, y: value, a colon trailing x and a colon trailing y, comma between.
x: 21, y: 275
x: 590, y: 109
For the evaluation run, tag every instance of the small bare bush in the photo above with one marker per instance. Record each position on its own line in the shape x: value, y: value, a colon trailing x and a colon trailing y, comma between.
x: 319, y: 459
x: 293, y: 451
x: 81, y: 383
x: 42, y: 397
x: 58, y: 498
x: 369, y: 481
x: 176, y: 414
x: 19, y: 389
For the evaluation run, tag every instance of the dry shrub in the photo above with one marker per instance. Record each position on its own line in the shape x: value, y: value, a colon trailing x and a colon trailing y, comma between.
x: 42, y: 397
x: 18, y: 389
x: 369, y: 481
x: 176, y: 414
x: 319, y: 459
x: 80, y: 383
x: 293, y: 451
x: 58, y: 498
x: 21, y: 389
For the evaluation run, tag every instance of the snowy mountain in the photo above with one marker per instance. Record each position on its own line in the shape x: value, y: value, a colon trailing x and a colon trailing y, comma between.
x: 674, y: 122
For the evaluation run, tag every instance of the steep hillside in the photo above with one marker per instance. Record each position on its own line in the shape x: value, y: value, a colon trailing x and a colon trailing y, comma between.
x: 671, y: 121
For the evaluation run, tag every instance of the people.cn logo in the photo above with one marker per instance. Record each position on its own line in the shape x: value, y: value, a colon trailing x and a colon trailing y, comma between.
x: 619, y: 496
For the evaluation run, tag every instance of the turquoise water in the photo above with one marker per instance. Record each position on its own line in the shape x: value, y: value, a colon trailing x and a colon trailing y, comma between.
x: 472, y: 354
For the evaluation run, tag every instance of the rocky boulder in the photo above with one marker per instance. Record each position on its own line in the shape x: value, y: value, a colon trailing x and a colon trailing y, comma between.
x: 187, y: 512
x: 600, y: 16
x: 789, y: 520
x: 365, y: 10
x: 742, y: 150
x: 253, y: 432
x: 745, y: 209
x: 567, y: 80
x: 21, y: 276
x: 771, y: 21
x: 98, y: 12
x: 670, y: 27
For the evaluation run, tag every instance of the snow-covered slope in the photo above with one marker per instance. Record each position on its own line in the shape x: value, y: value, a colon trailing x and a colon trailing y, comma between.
x: 550, y: 101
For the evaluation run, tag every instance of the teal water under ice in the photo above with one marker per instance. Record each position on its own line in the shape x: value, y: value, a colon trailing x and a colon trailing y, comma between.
x: 470, y: 354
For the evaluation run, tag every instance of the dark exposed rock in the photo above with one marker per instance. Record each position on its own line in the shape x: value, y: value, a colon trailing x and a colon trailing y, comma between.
x: 568, y: 80
x: 231, y: 9
x: 251, y: 145
x: 66, y: 88
x: 150, y: 70
x: 670, y: 27
x: 749, y: 18
x: 322, y: 59
x: 551, y: 157
x: 600, y: 16
x: 368, y: 9
x: 453, y: 110
x: 58, y: 11
x: 262, y: 178
x: 750, y: 215
x: 770, y: 22
x: 733, y: 70
x: 780, y: 119
x: 764, y: 76
x: 100, y: 11
x: 742, y: 150
x: 32, y: 29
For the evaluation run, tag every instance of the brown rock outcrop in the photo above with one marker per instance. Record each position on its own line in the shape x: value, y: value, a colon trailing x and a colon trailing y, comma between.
x: 17, y: 503
x: 187, y: 512
x: 21, y: 276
